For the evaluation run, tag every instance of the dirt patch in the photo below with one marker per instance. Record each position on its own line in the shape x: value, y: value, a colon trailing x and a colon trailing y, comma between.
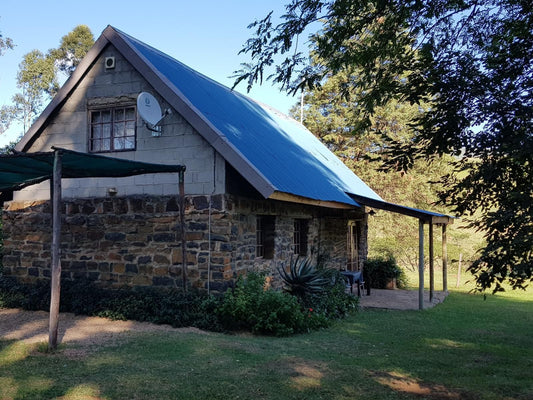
x: 405, y: 384
x: 85, y: 332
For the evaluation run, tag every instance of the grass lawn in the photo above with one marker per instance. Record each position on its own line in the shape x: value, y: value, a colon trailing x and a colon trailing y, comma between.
x: 465, y: 348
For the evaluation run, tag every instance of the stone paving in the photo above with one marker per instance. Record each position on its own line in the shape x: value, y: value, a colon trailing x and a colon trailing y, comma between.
x: 397, y: 299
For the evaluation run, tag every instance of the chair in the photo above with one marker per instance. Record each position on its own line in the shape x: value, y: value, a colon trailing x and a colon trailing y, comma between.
x: 355, y: 277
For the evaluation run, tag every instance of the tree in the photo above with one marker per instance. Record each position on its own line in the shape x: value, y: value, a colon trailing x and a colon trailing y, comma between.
x: 39, y: 76
x: 472, y: 60
x: 5, y: 44
x: 72, y: 49
x: 37, y: 80
x: 337, y: 121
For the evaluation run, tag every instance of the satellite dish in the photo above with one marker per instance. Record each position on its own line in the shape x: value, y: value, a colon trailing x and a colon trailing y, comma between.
x: 150, y: 112
x: 149, y: 108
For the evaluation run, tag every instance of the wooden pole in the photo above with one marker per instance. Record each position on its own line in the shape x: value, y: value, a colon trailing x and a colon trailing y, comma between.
x: 182, y: 229
x: 444, y: 259
x: 420, y: 264
x: 55, y: 286
x: 431, y: 264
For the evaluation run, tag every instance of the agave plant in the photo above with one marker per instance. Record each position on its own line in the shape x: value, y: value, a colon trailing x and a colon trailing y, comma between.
x: 304, y: 278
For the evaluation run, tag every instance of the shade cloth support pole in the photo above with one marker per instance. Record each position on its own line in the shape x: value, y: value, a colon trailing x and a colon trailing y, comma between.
x: 420, y: 264
x: 431, y: 264
x: 444, y: 259
x: 182, y: 229
x: 55, y: 286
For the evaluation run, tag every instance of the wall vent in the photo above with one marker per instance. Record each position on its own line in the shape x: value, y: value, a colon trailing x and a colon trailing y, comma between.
x: 109, y: 62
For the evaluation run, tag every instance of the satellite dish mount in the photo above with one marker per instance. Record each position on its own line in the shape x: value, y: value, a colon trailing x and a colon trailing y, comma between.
x: 150, y: 112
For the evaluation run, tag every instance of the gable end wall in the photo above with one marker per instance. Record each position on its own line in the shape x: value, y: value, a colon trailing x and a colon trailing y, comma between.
x: 179, y: 143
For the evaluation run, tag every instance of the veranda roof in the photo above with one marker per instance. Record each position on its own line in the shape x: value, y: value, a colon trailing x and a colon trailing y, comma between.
x: 24, y: 169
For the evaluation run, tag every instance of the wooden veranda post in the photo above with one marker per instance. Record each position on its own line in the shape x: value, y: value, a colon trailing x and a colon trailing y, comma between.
x: 444, y: 260
x: 431, y: 264
x: 420, y: 264
x: 55, y: 286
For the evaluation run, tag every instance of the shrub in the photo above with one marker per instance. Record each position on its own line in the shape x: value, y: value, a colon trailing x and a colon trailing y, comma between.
x: 322, y: 290
x: 250, y: 306
x: 334, y: 302
x: 162, y: 306
x: 380, y: 271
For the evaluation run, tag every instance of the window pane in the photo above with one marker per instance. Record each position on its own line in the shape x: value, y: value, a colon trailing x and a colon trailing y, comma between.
x: 119, y: 114
x: 130, y: 114
x: 129, y: 143
x: 118, y: 144
x: 130, y: 128
x: 106, y: 116
x: 96, y: 131
x: 96, y: 117
x: 96, y: 145
x: 118, y: 129
x: 106, y: 145
x: 106, y: 131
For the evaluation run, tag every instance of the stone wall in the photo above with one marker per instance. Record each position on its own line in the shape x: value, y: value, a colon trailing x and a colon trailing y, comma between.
x: 136, y: 240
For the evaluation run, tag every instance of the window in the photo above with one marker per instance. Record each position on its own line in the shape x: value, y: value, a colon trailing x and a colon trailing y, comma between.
x: 112, y: 129
x: 299, y: 243
x: 265, y: 234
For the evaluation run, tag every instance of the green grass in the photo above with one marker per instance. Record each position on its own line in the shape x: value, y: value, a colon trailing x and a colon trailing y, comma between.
x: 466, y: 348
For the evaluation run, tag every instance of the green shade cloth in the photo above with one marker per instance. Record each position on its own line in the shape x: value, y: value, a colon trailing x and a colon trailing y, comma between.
x: 24, y: 169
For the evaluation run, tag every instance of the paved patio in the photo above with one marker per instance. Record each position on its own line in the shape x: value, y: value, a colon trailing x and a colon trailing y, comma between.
x: 399, y: 299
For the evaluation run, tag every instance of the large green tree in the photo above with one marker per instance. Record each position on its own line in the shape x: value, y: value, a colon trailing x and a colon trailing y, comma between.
x: 471, y: 59
x: 39, y: 76
x: 337, y: 121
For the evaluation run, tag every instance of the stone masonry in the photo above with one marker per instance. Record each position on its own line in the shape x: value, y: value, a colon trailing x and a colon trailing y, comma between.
x: 136, y: 241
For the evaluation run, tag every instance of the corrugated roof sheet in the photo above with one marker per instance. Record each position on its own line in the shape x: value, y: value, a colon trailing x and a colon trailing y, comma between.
x: 290, y: 157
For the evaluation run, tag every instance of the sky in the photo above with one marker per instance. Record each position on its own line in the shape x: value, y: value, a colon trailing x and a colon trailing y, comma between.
x: 206, y: 35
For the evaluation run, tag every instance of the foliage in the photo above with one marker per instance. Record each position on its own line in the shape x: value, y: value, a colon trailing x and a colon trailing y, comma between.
x: 72, y: 49
x: 39, y: 76
x: 251, y: 306
x: 379, y: 272
x: 37, y: 81
x: 5, y: 44
x: 303, y: 278
x: 332, y: 113
x: 333, y: 302
x: 157, y: 305
x: 471, y: 60
x: 322, y: 290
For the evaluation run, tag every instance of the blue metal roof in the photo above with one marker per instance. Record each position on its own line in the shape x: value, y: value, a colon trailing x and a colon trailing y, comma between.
x: 282, y: 150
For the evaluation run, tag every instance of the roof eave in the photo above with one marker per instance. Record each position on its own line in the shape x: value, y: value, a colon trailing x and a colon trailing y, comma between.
x: 425, y: 216
x: 284, y: 196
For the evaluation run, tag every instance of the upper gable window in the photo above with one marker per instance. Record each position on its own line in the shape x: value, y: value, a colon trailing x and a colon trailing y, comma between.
x: 112, y: 129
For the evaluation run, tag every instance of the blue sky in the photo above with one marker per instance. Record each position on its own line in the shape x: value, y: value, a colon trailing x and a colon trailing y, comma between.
x: 204, y: 34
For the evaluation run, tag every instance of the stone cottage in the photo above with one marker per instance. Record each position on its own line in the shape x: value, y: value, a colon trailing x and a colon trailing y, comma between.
x: 260, y: 188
